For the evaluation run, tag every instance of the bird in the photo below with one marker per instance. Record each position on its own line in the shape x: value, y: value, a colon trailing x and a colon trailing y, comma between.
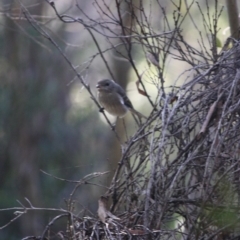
x: 114, y: 100
x: 103, y: 213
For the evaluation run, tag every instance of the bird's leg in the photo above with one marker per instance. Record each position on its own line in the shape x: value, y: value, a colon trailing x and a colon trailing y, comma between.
x: 113, y: 125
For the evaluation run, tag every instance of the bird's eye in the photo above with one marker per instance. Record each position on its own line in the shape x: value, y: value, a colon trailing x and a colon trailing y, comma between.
x: 106, y: 84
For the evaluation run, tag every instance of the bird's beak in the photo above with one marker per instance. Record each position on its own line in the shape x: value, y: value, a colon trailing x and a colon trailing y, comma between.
x: 97, y: 86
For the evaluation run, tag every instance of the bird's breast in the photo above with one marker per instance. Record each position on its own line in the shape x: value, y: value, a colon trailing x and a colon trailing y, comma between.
x: 112, y: 103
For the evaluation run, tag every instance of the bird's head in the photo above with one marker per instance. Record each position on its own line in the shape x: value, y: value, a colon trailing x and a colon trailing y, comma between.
x: 105, y: 85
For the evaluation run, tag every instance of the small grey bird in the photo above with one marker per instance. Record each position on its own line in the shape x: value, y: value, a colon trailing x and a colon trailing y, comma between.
x: 103, y: 213
x: 113, y: 99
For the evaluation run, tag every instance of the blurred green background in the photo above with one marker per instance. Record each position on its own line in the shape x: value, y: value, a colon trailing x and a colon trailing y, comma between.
x: 42, y: 124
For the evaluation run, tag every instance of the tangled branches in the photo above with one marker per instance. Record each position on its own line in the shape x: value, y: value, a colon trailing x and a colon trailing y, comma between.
x: 184, y: 159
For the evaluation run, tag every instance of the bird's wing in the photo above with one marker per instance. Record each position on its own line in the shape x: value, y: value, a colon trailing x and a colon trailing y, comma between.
x: 127, y: 102
x: 123, y: 95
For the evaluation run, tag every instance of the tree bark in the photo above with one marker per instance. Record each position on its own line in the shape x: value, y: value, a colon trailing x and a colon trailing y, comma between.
x: 232, y: 8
